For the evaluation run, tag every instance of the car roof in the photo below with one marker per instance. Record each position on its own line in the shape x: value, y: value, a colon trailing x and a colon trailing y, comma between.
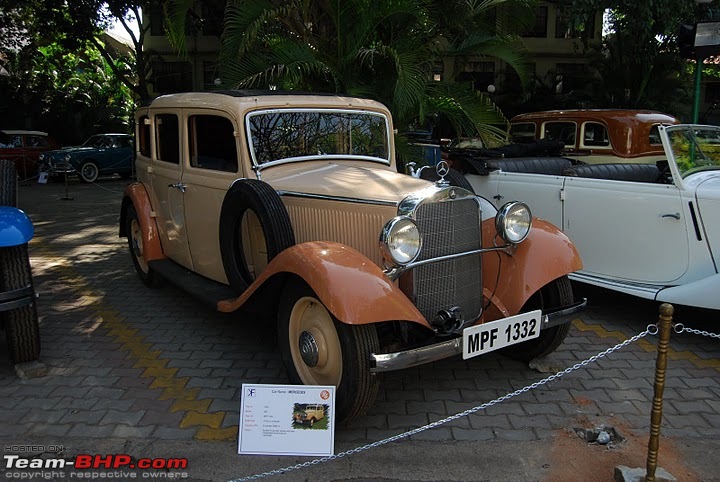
x: 251, y: 99
x: 20, y: 131
x: 616, y: 115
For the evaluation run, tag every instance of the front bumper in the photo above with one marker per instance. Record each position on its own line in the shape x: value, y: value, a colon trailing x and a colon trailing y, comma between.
x: 386, y: 362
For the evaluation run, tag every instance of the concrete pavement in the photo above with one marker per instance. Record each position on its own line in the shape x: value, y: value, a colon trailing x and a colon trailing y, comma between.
x: 151, y: 372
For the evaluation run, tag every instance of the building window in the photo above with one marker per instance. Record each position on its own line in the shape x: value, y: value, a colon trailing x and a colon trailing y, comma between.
x: 157, y: 22
x: 210, y: 73
x: 564, y: 29
x: 169, y: 77
x: 213, y: 13
x: 481, y: 74
x: 539, y: 30
x: 212, y: 143
x: 167, y: 138
x: 570, y: 77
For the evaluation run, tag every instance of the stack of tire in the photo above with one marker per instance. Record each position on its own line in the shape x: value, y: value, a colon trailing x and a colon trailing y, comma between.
x: 18, y: 315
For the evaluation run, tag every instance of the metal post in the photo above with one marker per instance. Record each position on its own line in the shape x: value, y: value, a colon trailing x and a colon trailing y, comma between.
x: 67, y: 195
x: 666, y: 312
x: 698, y: 85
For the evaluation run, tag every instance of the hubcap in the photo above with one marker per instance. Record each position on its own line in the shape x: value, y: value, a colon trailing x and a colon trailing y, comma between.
x: 314, y: 343
x: 137, y: 246
x: 89, y: 172
x: 309, y: 350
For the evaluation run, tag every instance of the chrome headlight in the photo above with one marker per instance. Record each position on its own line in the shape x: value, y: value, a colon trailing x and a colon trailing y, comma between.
x: 400, y: 240
x: 513, y: 222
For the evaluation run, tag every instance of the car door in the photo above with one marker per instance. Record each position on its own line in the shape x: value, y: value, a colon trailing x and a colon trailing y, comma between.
x: 167, y: 188
x: 211, y: 167
x: 630, y: 231
x: 541, y: 192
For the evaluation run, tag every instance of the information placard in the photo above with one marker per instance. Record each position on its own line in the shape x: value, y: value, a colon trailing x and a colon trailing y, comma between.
x: 287, y: 420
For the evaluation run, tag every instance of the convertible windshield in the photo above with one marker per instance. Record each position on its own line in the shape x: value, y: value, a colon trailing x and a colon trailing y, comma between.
x: 301, y: 134
x: 695, y: 148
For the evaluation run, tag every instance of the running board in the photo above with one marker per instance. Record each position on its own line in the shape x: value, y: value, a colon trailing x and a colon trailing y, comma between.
x: 205, y: 290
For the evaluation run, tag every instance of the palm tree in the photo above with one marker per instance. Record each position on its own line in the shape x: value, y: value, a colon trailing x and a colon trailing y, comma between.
x: 381, y: 49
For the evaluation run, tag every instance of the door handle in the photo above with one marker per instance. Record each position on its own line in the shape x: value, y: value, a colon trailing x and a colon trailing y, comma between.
x: 181, y: 186
x: 671, y: 215
x: 497, y: 196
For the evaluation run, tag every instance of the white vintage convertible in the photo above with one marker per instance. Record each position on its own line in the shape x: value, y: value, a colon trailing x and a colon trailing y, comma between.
x: 650, y: 230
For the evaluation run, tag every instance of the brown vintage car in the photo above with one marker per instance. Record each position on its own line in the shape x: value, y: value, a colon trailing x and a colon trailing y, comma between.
x: 24, y: 147
x: 596, y: 136
x: 291, y: 205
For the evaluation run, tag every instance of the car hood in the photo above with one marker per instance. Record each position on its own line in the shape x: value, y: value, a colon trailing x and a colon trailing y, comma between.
x: 707, y: 195
x: 68, y: 150
x: 360, y: 181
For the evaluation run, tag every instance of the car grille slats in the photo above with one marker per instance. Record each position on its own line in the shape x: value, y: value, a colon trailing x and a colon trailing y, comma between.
x: 449, y: 227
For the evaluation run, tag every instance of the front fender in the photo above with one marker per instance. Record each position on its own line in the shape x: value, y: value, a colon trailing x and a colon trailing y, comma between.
x: 15, y: 227
x: 545, y: 255
x: 137, y: 196
x: 351, y: 286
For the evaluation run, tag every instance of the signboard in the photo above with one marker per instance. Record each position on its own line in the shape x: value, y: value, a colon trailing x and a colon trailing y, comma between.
x: 287, y: 420
x: 707, y: 39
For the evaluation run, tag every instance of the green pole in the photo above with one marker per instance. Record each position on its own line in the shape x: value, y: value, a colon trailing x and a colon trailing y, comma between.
x: 698, y: 80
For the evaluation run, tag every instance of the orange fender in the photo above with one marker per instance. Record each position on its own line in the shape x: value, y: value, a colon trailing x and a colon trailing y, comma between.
x: 351, y: 286
x: 545, y: 255
x: 136, y: 194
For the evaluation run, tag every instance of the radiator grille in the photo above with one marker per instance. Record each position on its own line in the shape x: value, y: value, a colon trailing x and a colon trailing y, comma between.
x: 449, y: 227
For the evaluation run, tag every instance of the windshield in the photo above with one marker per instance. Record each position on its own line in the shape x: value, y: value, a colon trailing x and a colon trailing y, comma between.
x: 284, y: 135
x: 695, y: 148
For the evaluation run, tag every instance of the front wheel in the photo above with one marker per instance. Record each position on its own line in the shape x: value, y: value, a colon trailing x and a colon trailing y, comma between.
x: 89, y: 172
x: 555, y: 294
x: 319, y: 350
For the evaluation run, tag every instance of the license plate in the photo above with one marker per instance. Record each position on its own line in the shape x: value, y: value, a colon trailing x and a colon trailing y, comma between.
x: 481, y: 339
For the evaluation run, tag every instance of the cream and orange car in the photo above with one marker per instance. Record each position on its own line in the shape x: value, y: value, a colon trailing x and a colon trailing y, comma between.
x: 292, y: 204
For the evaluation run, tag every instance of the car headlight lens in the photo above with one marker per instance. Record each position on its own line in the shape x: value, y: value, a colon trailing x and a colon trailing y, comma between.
x: 513, y: 222
x: 400, y: 240
x: 41, y: 157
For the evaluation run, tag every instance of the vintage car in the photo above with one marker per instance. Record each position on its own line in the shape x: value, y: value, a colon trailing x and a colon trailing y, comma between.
x: 595, y: 136
x: 647, y: 229
x: 24, y: 148
x: 309, y: 415
x: 101, y: 154
x: 290, y: 205
x: 18, y: 312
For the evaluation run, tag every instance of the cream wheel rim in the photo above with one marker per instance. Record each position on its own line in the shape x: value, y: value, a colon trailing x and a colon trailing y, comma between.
x: 314, y: 343
x: 137, y: 245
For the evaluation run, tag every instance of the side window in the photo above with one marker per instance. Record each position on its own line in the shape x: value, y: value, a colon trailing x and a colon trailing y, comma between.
x: 36, y: 141
x: 15, y: 141
x: 143, y: 135
x: 522, y: 132
x: 595, y: 135
x: 560, y: 131
x: 655, y: 135
x: 121, y: 142
x: 212, y: 143
x: 167, y: 138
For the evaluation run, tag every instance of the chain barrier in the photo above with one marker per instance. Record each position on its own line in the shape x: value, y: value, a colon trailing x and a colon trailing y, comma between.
x: 681, y: 328
x: 650, y: 330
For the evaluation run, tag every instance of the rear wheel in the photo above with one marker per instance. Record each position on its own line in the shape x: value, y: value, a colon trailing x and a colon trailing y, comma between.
x: 554, y: 294
x: 135, y: 244
x: 319, y: 350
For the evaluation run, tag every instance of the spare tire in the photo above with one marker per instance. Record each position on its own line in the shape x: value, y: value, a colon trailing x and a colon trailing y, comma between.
x: 250, y: 205
x: 454, y: 177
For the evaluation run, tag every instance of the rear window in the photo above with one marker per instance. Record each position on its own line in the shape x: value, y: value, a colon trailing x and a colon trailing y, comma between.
x: 522, y: 132
x: 143, y: 135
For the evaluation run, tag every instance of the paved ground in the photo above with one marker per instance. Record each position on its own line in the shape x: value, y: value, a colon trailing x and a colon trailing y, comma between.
x: 150, y: 372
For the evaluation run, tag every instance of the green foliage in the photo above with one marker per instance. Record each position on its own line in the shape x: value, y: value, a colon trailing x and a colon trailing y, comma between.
x: 386, y: 50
